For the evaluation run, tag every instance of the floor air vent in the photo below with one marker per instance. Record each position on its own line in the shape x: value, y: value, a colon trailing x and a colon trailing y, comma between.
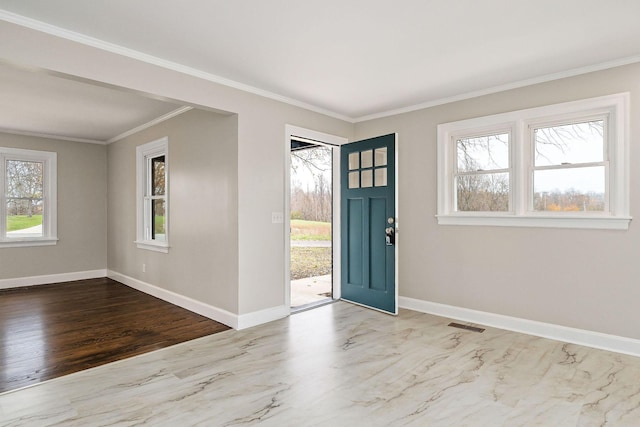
x: 466, y: 327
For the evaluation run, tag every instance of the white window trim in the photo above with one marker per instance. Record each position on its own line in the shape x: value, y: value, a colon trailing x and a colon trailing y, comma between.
x: 144, y: 152
x: 50, y: 197
x: 616, y: 107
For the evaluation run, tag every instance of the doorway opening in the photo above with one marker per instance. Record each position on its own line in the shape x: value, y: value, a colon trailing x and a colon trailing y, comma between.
x: 311, y: 224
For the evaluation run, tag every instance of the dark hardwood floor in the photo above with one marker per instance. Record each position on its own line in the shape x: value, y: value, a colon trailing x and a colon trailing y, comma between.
x: 52, y: 330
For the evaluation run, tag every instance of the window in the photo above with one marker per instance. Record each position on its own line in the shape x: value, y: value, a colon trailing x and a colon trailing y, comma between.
x: 563, y: 165
x: 482, y: 173
x: 569, y: 167
x: 27, y: 197
x: 153, y: 204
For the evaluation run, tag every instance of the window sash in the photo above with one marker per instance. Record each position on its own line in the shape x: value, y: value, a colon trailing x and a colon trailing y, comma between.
x: 572, y: 119
x: 484, y: 133
x: 468, y: 136
x: 575, y: 119
x: 496, y: 199
x: 149, y: 226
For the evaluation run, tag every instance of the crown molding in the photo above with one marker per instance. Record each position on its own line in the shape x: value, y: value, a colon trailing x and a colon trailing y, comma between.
x: 501, y: 88
x: 147, y: 125
x: 150, y: 59
x: 154, y: 60
x: 123, y: 135
x: 51, y: 136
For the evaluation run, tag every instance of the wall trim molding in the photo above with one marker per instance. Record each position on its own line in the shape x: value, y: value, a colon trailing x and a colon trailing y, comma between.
x: 73, y: 36
x: 503, y: 88
x: 260, y: 317
x: 45, y: 279
x: 214, y: 313
x: 235, y: 321
x: 149, y: 124
x: 583, y: 337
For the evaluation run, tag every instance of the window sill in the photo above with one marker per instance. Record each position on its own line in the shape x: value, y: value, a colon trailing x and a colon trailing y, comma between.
x: 574, y: 221
x: 152, y: 246
x: 26, y: 242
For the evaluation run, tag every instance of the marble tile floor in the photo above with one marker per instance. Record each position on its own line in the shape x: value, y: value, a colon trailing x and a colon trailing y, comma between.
x: 343, y: 365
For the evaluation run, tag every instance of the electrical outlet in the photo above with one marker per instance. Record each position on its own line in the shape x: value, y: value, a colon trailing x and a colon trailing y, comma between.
x: 144, y: 268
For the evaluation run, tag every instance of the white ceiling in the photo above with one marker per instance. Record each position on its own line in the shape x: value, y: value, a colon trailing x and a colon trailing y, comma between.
x: 361, y: 58
x: 43, y: 104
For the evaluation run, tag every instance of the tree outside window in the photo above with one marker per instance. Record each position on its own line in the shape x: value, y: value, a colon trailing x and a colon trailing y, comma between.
x: 562, y: 165
x: 28, y: 196
x: 24, y: 197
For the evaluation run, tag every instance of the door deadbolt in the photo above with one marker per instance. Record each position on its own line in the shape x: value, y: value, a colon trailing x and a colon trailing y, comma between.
x: 390, y: 236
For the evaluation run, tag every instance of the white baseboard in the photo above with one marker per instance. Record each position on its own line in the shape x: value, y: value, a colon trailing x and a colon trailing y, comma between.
x: 51, y: 278
x: 263, y: 316
x: 598, y: 340
x: 219, y: 315
x: 215, y: 313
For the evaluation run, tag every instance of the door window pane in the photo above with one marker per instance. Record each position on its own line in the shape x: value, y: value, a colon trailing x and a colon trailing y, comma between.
x: 381, y: 177
x: 367, y: 159
x: 354, y: 161
x: 366, y: 179
x: 569, y: 144
x: 354, y: 179
x: 380, y: 156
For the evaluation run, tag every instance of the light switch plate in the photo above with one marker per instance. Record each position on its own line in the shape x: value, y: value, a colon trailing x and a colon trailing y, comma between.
x: 277, y: 217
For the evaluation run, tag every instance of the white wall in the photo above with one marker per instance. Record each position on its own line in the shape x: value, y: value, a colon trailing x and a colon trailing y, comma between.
x: 82, y: 217
x: 586, y: 279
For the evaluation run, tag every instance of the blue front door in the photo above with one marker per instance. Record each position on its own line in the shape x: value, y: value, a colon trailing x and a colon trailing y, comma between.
x: 368, y: 222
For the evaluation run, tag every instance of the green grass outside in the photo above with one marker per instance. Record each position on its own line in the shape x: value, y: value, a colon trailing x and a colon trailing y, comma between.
x: 159, y: 223
x: 300, y: 229
x: 310, y: 262
x: 310, y: 230
x: 20, y: 222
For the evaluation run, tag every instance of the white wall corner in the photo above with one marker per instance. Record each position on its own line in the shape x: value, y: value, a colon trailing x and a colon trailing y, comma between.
x: 583, y: 337
x: 214, y: 313
x: 262, y: 316
x: 51, y: 278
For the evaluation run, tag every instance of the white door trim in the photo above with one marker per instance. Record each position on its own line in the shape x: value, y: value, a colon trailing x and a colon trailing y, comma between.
x: 322, y: 139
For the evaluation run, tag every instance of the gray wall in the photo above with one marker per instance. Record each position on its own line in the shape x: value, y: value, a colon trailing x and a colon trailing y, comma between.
x: 261, y: 145
x: 202, y: 262
x: 587, y: 279
x: 82, y: 212
x: 580, y: 278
